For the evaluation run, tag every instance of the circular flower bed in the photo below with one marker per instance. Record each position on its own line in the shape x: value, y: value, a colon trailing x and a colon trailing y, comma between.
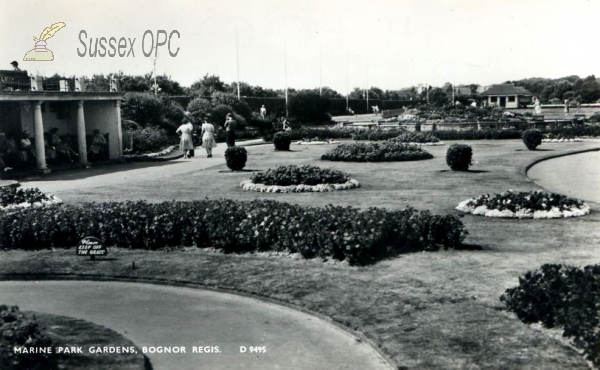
x: 13, y: 197
x: 288, y: 179
x: 387, y: 151
x: 535, y: 204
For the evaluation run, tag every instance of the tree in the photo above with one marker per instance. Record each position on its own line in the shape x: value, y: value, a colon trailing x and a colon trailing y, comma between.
x: 309, y: 106
x: 438, y: 97
x: 207, y: 86
x: 590, y: 90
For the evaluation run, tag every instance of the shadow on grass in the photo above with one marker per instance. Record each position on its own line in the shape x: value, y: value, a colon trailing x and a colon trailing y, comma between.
x: 468, y: 247
x: 467, y: 171
x: 535, y: 150
x: 240, y: 171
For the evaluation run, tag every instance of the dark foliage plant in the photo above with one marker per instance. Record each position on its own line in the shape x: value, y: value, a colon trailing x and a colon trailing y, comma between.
x: 342, y: 233
x: 236, y: 158
x: 386, y: 151
x: 15, y: 195
x: 282, y: 141
x: 561, y: 296
x: 149, y: 139
x: 18, y: 330
x: 532, y: 138
x: 459, y: 157
x: 294, y: 175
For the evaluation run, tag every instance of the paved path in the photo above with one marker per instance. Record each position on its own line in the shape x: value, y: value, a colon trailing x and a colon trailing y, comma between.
x: 575, y: 175
x: 132, y: 171
x: 154, y: 315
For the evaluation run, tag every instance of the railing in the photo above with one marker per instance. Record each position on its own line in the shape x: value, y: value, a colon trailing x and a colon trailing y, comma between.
x: 20, y: 81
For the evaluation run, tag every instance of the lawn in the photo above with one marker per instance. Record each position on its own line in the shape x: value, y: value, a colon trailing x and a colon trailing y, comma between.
x: 431, y: 310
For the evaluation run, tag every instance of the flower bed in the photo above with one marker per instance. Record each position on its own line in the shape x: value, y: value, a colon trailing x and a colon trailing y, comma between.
x: 562, y: 140
x: 535, y: 204
x: 14, y: 197
x: 316, y: 141
x: 134, y: 157
x: 386, y: 151
x: 21, y: 330
x: 294, y: 179
x: 561, y: 296
x: 342, y: 233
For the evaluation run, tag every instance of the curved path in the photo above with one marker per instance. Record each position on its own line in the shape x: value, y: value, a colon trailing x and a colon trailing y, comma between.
x: 155, y: 315
x: 576, y: 175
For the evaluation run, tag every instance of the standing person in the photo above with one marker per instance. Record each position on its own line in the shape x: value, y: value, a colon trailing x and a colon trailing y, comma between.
x: 285, y: 124
x: 230, y: 130
x: 537, y: 109
x: 208, y: 137
x: 186, y: 144
x: 263, y: 111
x: 566, y: 106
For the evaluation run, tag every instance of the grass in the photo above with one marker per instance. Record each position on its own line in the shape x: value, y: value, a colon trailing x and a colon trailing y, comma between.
x: 70, y: 332
x: 430, y: 310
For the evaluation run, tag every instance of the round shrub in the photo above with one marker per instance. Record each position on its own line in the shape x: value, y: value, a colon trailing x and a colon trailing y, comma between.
x: 459, y: 156
x: 236, y: 158
x: 532, y: 138
x: 282, y: 141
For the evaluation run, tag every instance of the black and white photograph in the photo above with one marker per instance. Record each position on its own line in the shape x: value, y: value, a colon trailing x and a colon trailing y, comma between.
x: 299, y: 185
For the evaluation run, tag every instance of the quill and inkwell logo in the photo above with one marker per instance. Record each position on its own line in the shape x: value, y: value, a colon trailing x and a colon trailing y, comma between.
x: 40, y: 53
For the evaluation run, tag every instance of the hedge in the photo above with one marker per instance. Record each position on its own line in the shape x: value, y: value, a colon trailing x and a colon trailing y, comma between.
x: 342, y: 233
x: 385, y: 151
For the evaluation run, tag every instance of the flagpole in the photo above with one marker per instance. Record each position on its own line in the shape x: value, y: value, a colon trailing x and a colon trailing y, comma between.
x: 320, y: 71
x: 347, y: 102
x: 237, y: 54
x: 286, y: 81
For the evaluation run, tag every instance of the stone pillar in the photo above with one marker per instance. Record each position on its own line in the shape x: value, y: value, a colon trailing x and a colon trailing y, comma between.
x: 119, y: 128
x: 38, y: 125
x: 81, y: 142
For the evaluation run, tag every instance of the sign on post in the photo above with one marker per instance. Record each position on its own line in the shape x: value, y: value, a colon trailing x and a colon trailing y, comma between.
x: 91, y: 246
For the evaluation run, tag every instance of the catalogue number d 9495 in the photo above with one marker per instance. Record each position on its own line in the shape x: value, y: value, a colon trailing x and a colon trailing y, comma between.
x: 252, y: 349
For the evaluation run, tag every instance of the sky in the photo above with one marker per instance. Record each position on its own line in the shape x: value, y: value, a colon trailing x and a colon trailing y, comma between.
x: 342, y: 44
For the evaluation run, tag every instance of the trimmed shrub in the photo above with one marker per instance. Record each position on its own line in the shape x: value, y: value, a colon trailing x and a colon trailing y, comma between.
x: 561, y: 296
x: 282, y: 141
x: 233, y: 226
x: 294, y: 175
x: 459, y: 156
x: 477, y: 134
x: 532, y: 138
x: 236, y: 158
x: 385, y: 151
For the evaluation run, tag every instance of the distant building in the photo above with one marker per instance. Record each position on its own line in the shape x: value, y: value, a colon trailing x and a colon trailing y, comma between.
x: 507, y: 96
x: 462, y: 90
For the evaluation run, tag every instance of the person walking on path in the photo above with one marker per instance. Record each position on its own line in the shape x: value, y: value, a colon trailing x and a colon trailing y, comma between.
x: 230, y: 130
x: 263, y: 111
x: 208, y: 137
x: 186, y: 144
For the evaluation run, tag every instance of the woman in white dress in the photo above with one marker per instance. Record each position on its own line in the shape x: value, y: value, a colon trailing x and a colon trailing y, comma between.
x: 208, y: 137
x: 187, y: 143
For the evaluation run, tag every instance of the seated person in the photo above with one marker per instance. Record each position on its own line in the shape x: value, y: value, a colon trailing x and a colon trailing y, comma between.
x: 62, y: 149
x: 98, y: 143
x: 50, y: 150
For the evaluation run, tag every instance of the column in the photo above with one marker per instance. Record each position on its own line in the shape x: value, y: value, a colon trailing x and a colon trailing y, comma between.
x: 119, y: 128
x: 38, y: 125
x: 81, y: 142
